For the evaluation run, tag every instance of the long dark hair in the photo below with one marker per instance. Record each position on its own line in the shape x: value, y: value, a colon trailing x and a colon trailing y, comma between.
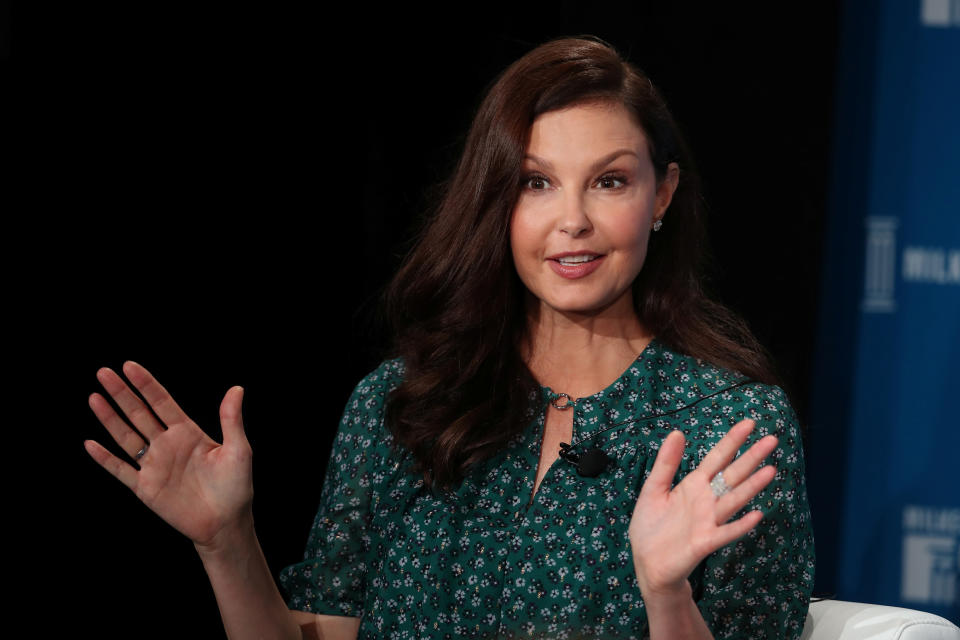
x: 456, y: 304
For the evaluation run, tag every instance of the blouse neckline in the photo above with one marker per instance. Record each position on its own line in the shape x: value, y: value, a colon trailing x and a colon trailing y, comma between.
x: 549, y: 395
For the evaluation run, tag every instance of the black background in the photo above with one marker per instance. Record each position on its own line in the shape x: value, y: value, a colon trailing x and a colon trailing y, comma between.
x: 221, y: 193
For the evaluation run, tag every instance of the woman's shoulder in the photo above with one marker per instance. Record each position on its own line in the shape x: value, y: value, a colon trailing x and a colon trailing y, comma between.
x: 364, y: 410
x: 673, y: 367
x: 374, y: 387
x: 685, y: 382
x: 387, y: 376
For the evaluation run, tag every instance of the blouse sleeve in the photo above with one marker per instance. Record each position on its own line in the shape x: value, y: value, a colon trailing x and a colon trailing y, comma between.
x: 760, y: 585
x: 333, y: 576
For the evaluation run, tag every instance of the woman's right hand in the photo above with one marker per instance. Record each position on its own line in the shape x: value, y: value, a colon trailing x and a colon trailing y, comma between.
x: 201, y: 488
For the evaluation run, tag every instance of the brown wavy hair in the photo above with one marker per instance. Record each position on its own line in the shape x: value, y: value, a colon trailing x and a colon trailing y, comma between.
x: 456, y: 303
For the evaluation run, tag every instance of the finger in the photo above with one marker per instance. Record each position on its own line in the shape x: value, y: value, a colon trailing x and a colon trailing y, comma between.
x: 114, y: 466
x: 724, y: 451
x: 128, y: 439
x: 667, y: 462
x: 159, y: 398
x: 231, y: 417
x: 749, y: 460
x: 733, y: 530
x: 730, y: 503
x: 131, y: 405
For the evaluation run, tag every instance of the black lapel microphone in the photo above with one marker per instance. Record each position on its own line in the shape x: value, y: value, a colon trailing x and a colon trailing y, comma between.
x: 590, y: 465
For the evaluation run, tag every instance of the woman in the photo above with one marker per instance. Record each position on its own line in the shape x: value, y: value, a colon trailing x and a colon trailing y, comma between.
x: 566, y: 442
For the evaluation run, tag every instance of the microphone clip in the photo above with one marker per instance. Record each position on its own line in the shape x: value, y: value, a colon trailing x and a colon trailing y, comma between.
x: 590, y: 464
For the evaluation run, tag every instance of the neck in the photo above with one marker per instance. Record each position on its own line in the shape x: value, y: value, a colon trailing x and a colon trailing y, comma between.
x: 581, y: 354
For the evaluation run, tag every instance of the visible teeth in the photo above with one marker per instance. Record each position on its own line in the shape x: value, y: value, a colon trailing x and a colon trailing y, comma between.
x: 576, y: 259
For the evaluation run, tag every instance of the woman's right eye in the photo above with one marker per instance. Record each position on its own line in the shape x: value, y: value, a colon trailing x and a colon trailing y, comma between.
x: 536, y: 183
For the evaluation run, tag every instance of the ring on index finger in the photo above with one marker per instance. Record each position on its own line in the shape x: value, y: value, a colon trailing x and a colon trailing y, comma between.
x: 718, y: 485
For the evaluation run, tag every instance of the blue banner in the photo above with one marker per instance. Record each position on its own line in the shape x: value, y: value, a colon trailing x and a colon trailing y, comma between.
x: 885, y: 421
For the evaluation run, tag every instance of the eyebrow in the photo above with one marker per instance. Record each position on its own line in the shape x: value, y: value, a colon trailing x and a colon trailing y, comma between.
x: 610, y: 157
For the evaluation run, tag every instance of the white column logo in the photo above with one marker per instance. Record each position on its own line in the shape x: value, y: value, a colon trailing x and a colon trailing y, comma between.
x: 880, y: 272
x: 931, y: 555
x: 940, y: 13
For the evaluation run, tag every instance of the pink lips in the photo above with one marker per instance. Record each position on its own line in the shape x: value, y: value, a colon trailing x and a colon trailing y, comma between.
x: 572, y: 272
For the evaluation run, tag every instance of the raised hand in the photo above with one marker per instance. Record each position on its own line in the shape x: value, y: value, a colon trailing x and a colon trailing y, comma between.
x: 198, y: 486
x: 674, y: 528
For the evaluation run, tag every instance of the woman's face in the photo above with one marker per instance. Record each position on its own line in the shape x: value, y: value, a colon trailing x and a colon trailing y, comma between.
x: 580, y: 227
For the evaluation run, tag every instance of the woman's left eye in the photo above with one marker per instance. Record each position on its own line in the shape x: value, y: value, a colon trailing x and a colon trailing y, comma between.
x: 612, y: 181
x: 535, y: 182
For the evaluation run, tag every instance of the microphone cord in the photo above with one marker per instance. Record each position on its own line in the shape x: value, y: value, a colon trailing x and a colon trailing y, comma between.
x: 593, y: 462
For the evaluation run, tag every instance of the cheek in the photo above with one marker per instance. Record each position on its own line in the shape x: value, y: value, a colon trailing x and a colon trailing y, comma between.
x: 629, y: 230
x: 526, y: 249
x: 630, y: 237
x: 515, y: 243
x: 523, y: 237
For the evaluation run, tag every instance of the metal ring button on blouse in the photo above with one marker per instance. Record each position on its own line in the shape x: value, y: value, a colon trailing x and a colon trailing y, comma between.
x: 566, y: 404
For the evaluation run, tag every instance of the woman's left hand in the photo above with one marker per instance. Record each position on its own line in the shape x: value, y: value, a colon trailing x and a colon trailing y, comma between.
x: 674, y: 528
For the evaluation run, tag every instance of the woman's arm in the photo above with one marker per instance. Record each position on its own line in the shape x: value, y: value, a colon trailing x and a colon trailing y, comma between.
x: 337, y: 574
x: 250, y: 603
x: 322, y: 627
x: 675, y: 614
x: 760, y: 585
x: 674, y: 528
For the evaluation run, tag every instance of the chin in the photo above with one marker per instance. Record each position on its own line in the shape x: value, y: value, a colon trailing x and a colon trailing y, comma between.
x: 587, y: 301
x: 578, y: 307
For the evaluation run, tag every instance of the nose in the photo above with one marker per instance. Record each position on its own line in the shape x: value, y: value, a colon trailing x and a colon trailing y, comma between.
x: 574, y: 219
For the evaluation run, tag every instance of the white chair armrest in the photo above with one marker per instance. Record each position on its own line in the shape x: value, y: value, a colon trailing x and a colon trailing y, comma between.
x: 839, y: 620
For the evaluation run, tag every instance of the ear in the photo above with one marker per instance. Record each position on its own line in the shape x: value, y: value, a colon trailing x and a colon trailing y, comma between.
x: 666, y: 189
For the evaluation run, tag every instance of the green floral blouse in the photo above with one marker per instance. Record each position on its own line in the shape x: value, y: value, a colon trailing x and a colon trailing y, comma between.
x: 485, y: 561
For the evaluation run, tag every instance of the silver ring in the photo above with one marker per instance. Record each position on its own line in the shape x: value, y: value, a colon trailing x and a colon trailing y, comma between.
x: 718, y: 485
x: 142, y: 451
x: 566, y: 405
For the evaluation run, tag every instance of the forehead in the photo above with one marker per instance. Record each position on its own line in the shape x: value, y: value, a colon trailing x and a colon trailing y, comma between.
x: 590, y: 127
